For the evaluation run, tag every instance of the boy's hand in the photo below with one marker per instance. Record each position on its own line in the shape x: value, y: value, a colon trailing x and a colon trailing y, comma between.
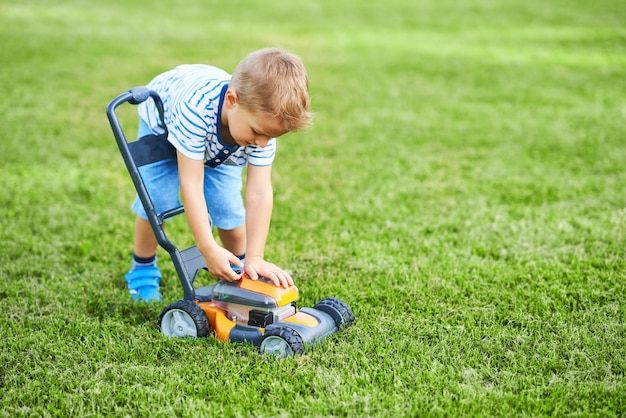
x: 256, y: 266
x: 219, y: 261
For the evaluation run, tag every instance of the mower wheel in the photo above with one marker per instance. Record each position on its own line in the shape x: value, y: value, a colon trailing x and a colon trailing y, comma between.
x: 183, y: 318
x: 282, y: 342
x: 338, y: 310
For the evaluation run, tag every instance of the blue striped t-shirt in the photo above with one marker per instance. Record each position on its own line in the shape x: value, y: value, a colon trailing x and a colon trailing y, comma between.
x: 192, y: 96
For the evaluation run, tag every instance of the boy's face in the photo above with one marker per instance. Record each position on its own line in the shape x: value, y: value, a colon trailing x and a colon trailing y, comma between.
x: 246, y: 127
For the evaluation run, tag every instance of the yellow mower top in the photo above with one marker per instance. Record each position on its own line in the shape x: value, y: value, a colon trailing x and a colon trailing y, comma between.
x: 260, y: 293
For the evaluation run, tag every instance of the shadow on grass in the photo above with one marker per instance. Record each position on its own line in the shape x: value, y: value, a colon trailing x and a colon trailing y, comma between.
x: 133, y: 313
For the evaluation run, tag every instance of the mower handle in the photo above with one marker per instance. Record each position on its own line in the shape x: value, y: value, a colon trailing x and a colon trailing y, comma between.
x: 135, y: 96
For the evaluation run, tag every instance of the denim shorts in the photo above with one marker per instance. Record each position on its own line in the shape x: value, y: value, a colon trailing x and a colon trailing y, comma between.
x: 222, y: 190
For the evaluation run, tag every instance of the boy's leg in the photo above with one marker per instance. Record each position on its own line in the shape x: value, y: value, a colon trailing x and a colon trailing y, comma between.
x: 234, y: 240
x: 145, y: 243
x: 144, y: 277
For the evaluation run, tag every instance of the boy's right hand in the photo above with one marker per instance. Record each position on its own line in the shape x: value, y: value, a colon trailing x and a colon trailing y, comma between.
x: 218, y: 261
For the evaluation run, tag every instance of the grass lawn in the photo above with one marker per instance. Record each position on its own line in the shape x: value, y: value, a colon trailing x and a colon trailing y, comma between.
x: 463, y: 189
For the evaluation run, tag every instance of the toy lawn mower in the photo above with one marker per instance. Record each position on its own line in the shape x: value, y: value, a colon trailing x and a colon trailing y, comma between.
x: 250, y: 311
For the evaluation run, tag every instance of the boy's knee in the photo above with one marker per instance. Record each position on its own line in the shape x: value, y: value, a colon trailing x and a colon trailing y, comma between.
x: 236, y: 234
x: 234, y: 240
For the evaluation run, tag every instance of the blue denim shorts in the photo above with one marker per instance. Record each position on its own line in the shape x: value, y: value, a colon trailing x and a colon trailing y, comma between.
x: 222, y: 190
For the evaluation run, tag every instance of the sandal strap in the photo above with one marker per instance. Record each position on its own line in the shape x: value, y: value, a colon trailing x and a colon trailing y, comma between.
x: 144, y: 282
x: 143, y: 276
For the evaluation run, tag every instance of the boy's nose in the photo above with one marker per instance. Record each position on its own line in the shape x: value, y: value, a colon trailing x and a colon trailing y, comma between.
x: 261, y: 142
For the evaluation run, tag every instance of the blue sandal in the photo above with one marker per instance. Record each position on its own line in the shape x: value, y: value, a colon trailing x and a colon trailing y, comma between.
x: 143, y: 283
x: 236, y: 269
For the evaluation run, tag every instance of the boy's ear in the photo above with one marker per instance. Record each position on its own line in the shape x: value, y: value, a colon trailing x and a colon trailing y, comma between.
x: 230, y: 98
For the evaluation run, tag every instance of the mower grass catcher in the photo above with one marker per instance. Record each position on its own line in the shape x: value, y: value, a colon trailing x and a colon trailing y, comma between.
x: 250, y: 311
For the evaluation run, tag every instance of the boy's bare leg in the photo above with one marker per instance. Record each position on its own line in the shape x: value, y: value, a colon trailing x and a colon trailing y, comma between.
x: 145, y: 241
x: 144, y: 276
x: 234, y: 240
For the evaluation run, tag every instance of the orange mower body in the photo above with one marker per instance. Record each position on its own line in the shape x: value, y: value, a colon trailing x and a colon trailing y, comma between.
x: 255, y: 312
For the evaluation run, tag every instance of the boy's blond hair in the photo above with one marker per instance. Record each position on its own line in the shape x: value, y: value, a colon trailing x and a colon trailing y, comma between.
x: 274, y: 82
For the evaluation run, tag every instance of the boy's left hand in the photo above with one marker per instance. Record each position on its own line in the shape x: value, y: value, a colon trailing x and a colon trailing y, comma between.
x: 256, y: 267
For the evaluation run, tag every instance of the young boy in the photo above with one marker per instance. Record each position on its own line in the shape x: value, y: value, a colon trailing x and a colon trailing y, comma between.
x: 218, y: 124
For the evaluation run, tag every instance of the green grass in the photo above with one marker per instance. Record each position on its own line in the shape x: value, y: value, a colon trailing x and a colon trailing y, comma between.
x: 463, y: 189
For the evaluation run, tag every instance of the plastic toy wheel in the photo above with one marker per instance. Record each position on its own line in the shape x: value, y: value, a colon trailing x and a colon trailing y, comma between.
x: 282, y: 342
x: 183, y: 319
x: 338, y: 310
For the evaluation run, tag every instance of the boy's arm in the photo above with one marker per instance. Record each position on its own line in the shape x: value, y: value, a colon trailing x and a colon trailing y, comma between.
x: 218, y: 259
x: 259, y: 197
